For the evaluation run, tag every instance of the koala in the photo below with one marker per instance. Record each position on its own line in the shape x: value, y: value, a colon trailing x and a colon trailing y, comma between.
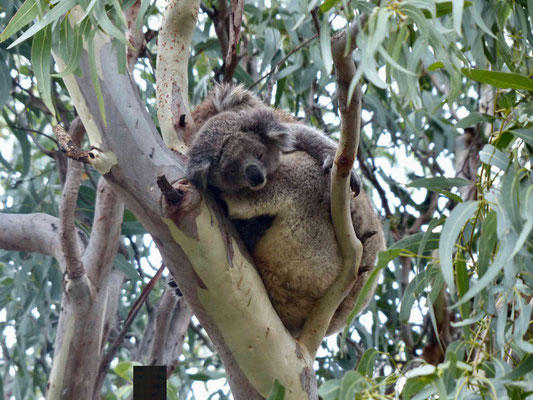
x: 280, y: 196
x: 227, y: 97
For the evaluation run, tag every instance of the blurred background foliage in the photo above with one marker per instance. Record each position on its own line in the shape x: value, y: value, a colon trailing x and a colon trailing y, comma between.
x: 445, y: 154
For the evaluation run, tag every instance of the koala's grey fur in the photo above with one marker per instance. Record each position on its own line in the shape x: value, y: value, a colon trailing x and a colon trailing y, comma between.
x: 295, y: 251
x: 227, y: 97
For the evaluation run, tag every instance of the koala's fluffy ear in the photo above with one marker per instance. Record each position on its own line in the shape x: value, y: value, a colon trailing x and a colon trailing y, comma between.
x: 197, y: 174
x: 265, y: 123
x: 282, y: 138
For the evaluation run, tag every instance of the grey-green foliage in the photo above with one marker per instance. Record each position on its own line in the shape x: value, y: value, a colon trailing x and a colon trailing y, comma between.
x: 424, y: 67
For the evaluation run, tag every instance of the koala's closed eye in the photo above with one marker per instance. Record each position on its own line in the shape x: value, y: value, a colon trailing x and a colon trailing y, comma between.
x: 232, y: 168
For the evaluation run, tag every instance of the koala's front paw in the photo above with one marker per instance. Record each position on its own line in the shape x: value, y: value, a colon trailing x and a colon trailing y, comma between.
x: 355, y: 180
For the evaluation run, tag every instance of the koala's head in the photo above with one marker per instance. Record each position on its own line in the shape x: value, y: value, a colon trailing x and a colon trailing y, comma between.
x: 237, y: 150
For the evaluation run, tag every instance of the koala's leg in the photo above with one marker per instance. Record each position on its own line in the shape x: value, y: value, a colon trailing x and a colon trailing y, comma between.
x: 320, y: 147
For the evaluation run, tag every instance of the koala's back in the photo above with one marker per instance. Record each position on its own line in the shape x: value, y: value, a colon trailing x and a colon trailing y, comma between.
x: 298, y: 257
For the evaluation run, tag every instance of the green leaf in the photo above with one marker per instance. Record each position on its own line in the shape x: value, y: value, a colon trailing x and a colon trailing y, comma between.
x: 448, y: 194
x: 423, y: 370
x: 489, y: 239
x: 367, y: 362
x: 278, y: 391
x: 349, y: 384
x: 492, y: 156
x: 124, y: 369
x: 454, y: 223
x: 457, y: 8
x: 504, y: 80
x: 435, y: 66
x: 140, y: 16
x: 24, y: 15
x: 412, y: 242
x: 503, y: 140
x: 526, y: 366
x: 26, y: 151
x: 328, y: 5
x: 51, y: 16
x: 243, y: 77
x: 438, y: 182
x: 479, y: 21
x: 443, y: 8
x: 122, y: 264
x: 107, y: 26
x: 206, y: 375
x: 504, y: 255
x: 269, y: 49
x: 462, y: 284
x: 5, y: 83
x: 330, y: 389
x: 325, y: 45
x: 383, y: 259
x: 41, y: 57
x: 393, y: 62
x: 6, y: 164
x: 414, y: 288
x: 74, y: 52
x: 119, y: 13
x: 473, y: 119
x: 525, y: 134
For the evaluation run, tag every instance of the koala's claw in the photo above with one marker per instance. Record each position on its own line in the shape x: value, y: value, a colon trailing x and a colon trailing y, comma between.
x: 327, y: 164
x: 355, y: 180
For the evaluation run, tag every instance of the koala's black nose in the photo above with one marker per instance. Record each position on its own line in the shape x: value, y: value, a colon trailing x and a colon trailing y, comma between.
x: 254, y: 175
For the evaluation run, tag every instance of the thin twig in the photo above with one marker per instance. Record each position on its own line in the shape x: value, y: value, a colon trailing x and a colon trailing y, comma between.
x: 425, y: 217
x: 282, y: 61
x: 20, y: 128
x: 198, y: 330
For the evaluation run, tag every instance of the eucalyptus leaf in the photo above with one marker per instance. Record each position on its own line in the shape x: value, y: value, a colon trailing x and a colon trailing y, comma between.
x: 492, y: 156
x: 325, y: 45
x: 454, y: 223
x: 122, y: 264
x: 41, y: 57
x: 525, y: 134
x: 50, y: 17
x: 366, y: 363
x: 5, y: 83
x: 505, y: 80
x: 27, y: 12
x: 438, y: 182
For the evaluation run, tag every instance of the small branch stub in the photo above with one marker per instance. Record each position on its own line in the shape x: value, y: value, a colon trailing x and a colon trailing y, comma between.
x: 181, y: 203
x: 172, y: 196
x: 70, y: 149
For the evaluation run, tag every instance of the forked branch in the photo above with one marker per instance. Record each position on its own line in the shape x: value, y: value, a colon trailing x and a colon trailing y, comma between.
x: 351, y: 248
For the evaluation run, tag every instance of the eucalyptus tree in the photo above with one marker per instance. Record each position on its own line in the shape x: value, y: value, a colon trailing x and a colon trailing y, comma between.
x: 444, y: 150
